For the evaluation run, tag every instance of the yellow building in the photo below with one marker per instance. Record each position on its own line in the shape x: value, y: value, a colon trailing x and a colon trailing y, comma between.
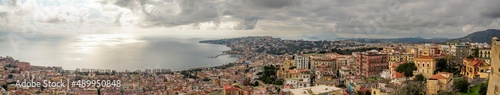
x: 395, y: 57
x: 298, y: 73
x: 423, y: 50
x: 485, y: 54
x: 440, y: 82
x: 425, y: 65
x: 494, y: 84
x: 407, y: 57
x: 329, y: 62
x: 327, y: 80
x: 475, y: 68
x: 283, y: 71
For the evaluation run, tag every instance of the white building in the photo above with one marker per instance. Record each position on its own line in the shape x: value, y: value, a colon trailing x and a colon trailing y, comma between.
x: 302, y: 62
x: 386, y: 74
x: 302, y: 80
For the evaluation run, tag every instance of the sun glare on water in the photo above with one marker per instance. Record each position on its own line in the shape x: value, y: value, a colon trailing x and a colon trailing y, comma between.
x: 88, y: 42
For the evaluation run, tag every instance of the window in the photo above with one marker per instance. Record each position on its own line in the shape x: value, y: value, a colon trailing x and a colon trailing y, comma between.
x: 496, y: 88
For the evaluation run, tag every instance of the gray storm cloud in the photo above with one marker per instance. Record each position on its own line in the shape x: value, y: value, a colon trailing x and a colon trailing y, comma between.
x: 182, y: 12
x: 441, y: 18
x: 402, y: 17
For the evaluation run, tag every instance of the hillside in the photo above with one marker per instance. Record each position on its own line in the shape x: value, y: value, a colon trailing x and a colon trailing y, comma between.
x: 479, y: 36
x: 399, y: 40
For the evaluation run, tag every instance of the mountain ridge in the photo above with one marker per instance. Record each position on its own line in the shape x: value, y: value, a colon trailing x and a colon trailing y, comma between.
x: 478, y: 36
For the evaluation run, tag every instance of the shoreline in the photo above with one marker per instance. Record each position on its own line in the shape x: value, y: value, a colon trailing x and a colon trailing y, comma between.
x: 224, y: 53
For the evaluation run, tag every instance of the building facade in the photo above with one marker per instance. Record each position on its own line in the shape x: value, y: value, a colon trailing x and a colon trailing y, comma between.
x: 485, y: 54
x: 475, y: 68
x: 283, y: 71
x: 320, y: 62
x: 299, y: 78
x: 493, y: 83
x: 302, y: 62
x: 372, y: 63
x: 426, y: 65
x: 461, y: 52
x: 440, y: 82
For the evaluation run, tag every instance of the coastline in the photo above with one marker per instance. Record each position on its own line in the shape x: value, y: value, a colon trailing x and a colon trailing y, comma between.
x: 229, y: 53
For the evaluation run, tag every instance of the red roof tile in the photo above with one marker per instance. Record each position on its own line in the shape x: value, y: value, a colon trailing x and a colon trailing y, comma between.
x: 439, y: 76
x: 399, y: 75
x: 229, y: 87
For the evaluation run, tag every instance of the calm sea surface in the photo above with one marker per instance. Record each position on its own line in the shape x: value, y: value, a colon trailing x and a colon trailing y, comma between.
x: 114, y: 51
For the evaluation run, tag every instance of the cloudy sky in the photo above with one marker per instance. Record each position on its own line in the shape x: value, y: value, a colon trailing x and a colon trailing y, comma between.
x: 330, y: 18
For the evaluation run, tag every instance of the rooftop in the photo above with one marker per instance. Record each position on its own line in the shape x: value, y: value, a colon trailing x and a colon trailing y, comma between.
x: 314, y: 90
x: 475, y: 62
x: 441, y: 75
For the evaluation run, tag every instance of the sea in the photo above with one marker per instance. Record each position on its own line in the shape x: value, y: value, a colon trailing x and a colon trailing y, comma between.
x: 114, y: 51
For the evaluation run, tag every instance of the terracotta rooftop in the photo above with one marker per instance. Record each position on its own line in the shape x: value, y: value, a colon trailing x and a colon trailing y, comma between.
x: 399, y: 75
x: 230, y: 87
x: 441, y: 75
x: 475, y: 62
x: 297, y: 71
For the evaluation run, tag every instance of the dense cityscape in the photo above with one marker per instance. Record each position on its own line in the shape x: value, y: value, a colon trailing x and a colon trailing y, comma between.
x: 249, y: 47
x: 271, y: 66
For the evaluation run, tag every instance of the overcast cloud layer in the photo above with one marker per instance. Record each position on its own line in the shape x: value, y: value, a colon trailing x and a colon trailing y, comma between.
x: 351, y: 18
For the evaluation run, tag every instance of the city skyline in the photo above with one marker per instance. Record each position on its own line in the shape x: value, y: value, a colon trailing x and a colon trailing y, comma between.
x: 249, y: 47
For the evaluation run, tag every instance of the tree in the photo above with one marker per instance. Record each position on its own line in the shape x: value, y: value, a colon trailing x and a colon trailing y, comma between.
x: 483, y: 87
x: 470, y: 56
x: 475, y: 52
x: 407, y: 69
x: 10, y: 76
x: 278, y: 82
x: 206, y: 79
x: 364, y: 93
x: 461, y: 84
x: 269, y: 74
x: 442, y: 66
x: 255, y: 83
x: 368, y: 93
x: 410, y: 88
x: 419, y: 77
x: 42, y: 88
x: 358, y: 93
